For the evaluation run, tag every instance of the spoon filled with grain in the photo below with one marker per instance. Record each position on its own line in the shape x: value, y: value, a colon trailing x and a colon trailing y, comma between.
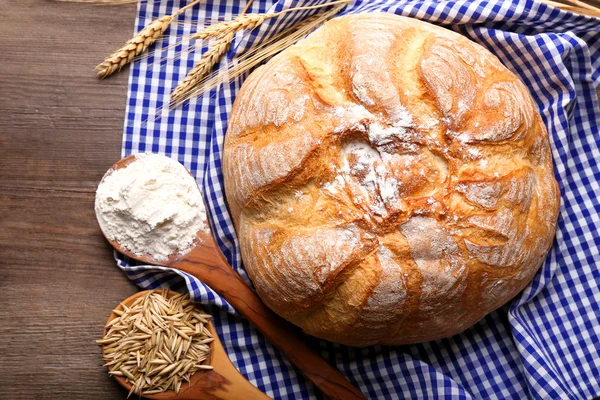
x: 160, y: 345
x: 150, y: 208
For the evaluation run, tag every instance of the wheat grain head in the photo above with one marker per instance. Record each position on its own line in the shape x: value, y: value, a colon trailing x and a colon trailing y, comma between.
x: 221, y: 29
x: 134, y: 46
x: 203, y: 67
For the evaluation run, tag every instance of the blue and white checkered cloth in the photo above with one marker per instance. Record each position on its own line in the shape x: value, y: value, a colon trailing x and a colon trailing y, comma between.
x: 546, y: 343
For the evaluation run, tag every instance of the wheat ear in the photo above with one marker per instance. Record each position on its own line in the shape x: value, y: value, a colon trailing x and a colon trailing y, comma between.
x: 203, y: 67
x: 224, y: 32
x: 134, y: 46
x: 251, y: 21
x: 138, y: 44
x: 221, y: 29
x: 258, y: 54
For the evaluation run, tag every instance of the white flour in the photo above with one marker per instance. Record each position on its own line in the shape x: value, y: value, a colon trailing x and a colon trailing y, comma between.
x: 152, y: 206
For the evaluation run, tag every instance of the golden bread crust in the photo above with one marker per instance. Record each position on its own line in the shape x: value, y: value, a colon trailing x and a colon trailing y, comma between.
x: 390, y: 181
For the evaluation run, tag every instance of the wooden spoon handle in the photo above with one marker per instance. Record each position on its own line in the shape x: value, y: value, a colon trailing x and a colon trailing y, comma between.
x: 208, y: 264
x: 224, y: 382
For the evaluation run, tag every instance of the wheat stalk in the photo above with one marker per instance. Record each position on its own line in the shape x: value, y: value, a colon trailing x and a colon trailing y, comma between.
x: 134, y: 46
x: 587, y: 10
x: 138, y: 44
x: 218, y: 29
x: 257, y: 55
x: 223, y: 30
x: 247, y: 22
x: 203, y: 67
x: 251, y: 21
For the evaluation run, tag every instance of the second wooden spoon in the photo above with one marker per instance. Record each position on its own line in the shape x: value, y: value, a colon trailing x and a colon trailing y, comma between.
x: 222, y: 382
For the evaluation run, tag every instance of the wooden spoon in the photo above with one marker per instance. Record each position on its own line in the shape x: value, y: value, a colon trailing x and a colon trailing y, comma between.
x: 222, y: 382
x: 206, y: 263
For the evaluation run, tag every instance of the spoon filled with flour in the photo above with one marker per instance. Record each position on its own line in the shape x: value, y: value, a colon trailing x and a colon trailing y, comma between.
x: 151, y: 207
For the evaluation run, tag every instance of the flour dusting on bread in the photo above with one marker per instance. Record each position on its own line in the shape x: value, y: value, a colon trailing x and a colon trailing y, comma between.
x: 391, y: 182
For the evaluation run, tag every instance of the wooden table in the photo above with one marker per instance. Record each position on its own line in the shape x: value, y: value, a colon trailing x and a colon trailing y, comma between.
x: 60, y: 130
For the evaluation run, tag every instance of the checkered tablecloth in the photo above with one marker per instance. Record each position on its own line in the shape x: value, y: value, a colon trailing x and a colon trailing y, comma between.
x: 546, y: 343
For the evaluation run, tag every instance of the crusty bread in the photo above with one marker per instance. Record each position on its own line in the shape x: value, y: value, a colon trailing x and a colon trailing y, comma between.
x: 390, y: 182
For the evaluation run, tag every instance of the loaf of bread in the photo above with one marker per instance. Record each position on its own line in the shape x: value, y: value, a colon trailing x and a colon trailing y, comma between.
x: 390, y: 182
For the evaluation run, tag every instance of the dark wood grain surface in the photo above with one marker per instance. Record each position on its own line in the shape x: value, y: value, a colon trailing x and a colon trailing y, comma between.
x: 60, y: 129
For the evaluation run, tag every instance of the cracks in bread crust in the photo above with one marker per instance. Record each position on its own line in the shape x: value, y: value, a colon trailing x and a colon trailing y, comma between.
x: 390, y: 182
